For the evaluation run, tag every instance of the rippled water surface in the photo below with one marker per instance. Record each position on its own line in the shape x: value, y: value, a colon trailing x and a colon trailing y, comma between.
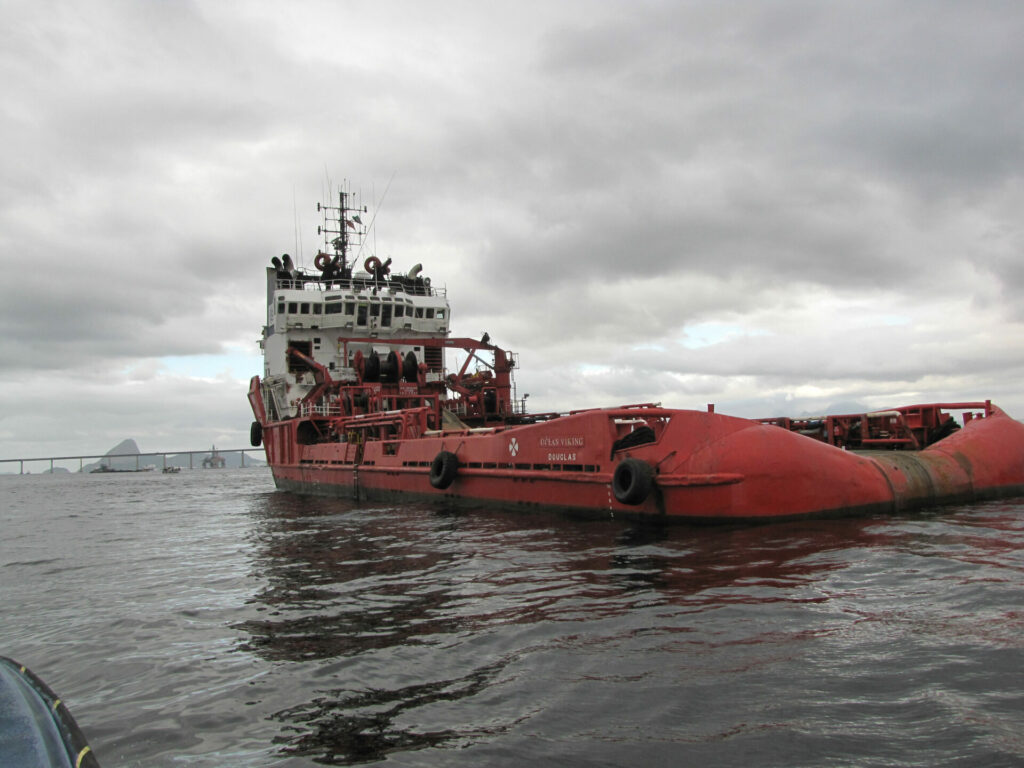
x: 204, y: 619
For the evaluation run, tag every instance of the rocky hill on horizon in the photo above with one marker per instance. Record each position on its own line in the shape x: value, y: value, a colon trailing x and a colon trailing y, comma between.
x: 126, y: 456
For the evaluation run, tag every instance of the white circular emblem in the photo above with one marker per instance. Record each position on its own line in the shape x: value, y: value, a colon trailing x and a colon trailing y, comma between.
x: 513, y: 446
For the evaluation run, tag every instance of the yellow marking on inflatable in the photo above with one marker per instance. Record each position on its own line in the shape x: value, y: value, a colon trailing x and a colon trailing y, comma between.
x: 81, y: 756
x: 56, y: 703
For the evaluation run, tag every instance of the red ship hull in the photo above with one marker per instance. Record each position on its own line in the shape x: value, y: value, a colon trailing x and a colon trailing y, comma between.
x: 358, y: 400
x: 704, y: 467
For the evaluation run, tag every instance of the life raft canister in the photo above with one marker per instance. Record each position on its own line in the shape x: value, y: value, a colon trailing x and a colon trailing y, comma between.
x: 443, y: 469
x: 632, y: 481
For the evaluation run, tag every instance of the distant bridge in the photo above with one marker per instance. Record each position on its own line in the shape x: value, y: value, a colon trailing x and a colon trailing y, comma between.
x: 150, y: 459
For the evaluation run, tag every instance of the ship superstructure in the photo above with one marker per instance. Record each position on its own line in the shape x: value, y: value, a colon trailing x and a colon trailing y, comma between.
x: 359, y: 322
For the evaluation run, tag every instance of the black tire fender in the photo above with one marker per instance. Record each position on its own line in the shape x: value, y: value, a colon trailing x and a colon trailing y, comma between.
x: 632, y: 481
x: 443, y: 469
x: 256, y: 434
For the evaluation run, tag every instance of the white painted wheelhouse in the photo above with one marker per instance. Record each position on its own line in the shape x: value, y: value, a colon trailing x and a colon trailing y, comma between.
x: 342, y: 318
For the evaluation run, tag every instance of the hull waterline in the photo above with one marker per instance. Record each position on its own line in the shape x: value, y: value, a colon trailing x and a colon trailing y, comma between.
x: 707, y: 467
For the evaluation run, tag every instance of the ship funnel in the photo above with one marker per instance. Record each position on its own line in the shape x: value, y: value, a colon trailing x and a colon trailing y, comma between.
x: 415, y: 270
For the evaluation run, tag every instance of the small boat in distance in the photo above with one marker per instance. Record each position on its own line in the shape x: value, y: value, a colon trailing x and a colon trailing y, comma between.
x: 105, y: 468
x: 357, y: 400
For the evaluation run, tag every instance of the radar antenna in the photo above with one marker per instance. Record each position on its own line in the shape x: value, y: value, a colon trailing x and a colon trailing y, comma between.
x: 342, y: 226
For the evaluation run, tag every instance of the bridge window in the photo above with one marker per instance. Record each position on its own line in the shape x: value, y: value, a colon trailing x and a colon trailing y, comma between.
x: 293, y: 308
x: 361, y: 314
x: 350, y: 308
x: 430, y: 313
x: 304, y: 309
x: 385, y: 316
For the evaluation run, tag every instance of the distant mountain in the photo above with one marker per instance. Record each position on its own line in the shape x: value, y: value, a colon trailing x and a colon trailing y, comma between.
x: 841, y: 408
x: 125, y: 446
x: 846, y: 407
x: 126, y: 456
x: 121, y: 462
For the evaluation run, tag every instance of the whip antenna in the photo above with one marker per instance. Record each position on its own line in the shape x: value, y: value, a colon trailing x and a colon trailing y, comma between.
x: 376, y: 207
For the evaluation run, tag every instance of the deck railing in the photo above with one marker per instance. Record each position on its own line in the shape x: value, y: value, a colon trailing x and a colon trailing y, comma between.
x: 357, y: 284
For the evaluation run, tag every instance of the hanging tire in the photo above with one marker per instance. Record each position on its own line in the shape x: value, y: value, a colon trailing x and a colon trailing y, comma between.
x: 632, y: 481
x: 443, y: 469
x: 256, y: 434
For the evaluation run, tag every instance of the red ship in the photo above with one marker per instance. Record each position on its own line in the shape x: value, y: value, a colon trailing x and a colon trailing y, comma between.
x: 357, y: 400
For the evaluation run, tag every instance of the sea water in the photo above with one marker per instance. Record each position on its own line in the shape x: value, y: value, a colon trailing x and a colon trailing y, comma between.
x: 205, y: 619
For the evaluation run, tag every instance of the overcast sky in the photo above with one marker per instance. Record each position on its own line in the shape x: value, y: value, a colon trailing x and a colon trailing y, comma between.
x: 775, y: 207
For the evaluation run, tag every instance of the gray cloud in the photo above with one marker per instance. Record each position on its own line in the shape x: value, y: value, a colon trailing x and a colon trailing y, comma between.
x: 766, y: 206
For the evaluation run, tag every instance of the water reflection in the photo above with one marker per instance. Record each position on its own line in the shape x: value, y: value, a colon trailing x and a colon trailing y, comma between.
x: 391, y: 594
x: 338, y: 581
x: 343, y: 727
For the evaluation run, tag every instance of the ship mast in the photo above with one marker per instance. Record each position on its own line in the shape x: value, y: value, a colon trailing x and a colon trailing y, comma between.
x: 339, y: 226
